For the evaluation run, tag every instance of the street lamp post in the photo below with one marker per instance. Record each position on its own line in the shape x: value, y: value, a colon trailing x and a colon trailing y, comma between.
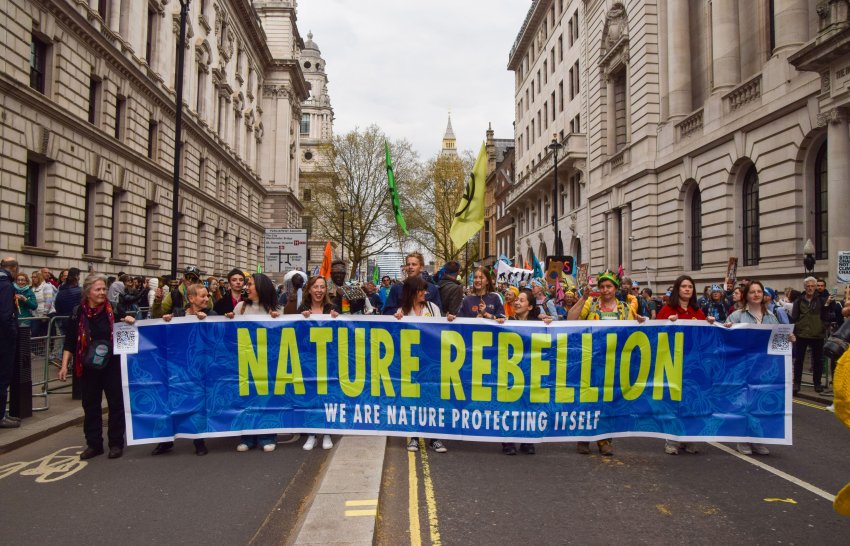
x: 556, y: 146
x: 809, y: 259
x: 342, y: 211
x: 178, y: 132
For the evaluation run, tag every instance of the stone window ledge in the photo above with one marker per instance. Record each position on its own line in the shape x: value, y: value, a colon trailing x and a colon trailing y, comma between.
x: 38, y: 251
x: 93, y: 258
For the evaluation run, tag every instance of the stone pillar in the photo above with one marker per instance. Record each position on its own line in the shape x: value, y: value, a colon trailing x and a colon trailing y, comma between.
x: 791, y: 24
x: 610, y: 240
x: 679, y: 58
x: 611, y: 116
x: 838, y: 161
x: 726, y: 46
x: 115, y: 15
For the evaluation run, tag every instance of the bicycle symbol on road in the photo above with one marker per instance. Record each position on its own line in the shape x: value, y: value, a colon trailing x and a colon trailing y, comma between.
x: 51, y: 468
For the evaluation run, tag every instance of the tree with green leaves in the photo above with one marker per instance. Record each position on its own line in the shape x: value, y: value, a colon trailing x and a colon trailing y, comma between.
x: 359, y: 186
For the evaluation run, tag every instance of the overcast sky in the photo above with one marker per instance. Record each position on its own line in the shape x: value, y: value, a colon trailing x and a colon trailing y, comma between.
x: 403, y: 65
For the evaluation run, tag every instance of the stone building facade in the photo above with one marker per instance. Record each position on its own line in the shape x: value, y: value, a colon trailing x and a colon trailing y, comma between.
x: 496, y: 235
x: 87, y: 125
x: 547, y: 61
x: 316, y: 135
x: 713, y: 130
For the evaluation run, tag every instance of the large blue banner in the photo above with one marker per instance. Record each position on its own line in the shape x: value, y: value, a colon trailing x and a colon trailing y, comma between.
x: 466, y: 380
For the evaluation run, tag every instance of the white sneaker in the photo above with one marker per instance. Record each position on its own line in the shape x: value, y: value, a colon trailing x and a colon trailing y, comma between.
x: 831, y: 408
x: 413, y: 444
x: 671, y: 447
x: 438, y: 446
x: 310, y: 443
x: 760, y: 449
x: 327, y: 443
x: 744, y: 449
x: 268, y: 448
x: 242, y: 447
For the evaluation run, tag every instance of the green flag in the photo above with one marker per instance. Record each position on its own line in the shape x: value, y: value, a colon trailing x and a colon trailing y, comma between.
x: 259, y: 268
x: 394, y: 193
x: 376, y: 274
x: 469, y: 218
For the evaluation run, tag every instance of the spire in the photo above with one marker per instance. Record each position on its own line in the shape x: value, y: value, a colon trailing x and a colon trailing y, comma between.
x: 450, y: 134
x: 449, y: 140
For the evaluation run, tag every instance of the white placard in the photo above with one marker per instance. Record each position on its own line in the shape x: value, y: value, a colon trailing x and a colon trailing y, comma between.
x: 285, y: 250
x: 125, y: 339
x: 511, y: 275
x: 780, y: 342
x: 843, y: 266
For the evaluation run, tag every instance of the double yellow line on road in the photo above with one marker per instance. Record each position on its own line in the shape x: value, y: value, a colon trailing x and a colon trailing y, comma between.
x: 413, y: 498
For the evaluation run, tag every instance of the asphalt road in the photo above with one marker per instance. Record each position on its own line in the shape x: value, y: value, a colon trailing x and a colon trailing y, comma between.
x: 49, y: 497
x: 476, y: 495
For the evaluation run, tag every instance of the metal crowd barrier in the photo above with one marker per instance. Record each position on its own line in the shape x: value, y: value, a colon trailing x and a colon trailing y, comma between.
x: 45, y: 352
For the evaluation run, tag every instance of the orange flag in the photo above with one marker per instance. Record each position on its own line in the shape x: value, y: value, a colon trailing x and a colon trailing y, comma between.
x: 325, y: 270
x: 525, y: 265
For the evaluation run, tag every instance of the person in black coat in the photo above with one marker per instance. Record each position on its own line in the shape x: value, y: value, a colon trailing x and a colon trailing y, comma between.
x: 8, y: 335
x: 90, y: 327
x: 235, y: 294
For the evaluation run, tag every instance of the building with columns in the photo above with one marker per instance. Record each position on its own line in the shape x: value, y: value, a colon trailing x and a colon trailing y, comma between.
x: 497, y: 234
x: 713, y: 130
x: 87, y: 125
x: 316, y: 135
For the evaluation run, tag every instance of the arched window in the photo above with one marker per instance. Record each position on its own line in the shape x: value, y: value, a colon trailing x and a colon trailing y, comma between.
x: 821, y: 205
x: 751, y: 217
x: 696, y: 229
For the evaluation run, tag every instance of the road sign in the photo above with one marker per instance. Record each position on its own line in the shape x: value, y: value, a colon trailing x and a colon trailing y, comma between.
x: 285, y: 250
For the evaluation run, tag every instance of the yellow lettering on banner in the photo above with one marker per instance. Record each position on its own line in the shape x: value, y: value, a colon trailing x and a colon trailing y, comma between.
x: 586, y: 392
x: 253, y: 364
x: 610, y: 364
x: 409, y: 363
x: 563, y: 393
x: 287, y: 355
x: 352, y: 388
x: 539, y: 368
x: 669, y: 367
x: 450, y: 368
x: 321, y: 337
x: 639, y: 340
x: 481, y: 366
x: 382, y: 341
x: 508, y: 367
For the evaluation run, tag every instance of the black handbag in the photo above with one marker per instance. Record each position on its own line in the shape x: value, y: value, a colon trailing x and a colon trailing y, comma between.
x: 97, y: 355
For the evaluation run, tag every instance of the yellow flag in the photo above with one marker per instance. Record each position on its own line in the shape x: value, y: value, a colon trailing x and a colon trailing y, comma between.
x: 469, y: 218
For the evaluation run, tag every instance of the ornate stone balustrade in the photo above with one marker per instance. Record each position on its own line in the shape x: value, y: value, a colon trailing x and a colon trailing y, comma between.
x: 744, y: 94
x: 690, y: 124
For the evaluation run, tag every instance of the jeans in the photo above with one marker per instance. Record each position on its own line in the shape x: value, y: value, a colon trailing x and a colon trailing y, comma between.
x: 94, y: 385
x: 816, y: 345
x: 253, y: 440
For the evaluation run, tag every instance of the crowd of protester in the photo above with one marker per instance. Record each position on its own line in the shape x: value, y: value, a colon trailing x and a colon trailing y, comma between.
x: 94, y: 304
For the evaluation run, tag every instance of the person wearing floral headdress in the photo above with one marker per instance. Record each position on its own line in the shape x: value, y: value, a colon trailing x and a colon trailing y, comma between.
x: 605, y: 306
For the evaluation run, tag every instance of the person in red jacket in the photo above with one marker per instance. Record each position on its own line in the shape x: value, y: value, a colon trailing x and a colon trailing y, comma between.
x: 682, y: 305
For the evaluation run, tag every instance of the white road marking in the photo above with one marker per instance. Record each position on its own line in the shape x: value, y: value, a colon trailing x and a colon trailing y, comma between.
x: 775, y: 471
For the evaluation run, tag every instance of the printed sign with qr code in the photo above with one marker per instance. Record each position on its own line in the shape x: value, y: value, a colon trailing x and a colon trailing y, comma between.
x: 125, y: 339
x: 780, y: 340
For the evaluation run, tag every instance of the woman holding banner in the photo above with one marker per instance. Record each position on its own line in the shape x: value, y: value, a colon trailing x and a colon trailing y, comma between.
x: 525, y: 309
x: 414, y: 303
x: 482, y: 302
x: 88, y: 339
x: 754, y: 312
x: 317, y: 302
x: 682, y: 305
x: 261, y: 301
x: 603, y: 306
